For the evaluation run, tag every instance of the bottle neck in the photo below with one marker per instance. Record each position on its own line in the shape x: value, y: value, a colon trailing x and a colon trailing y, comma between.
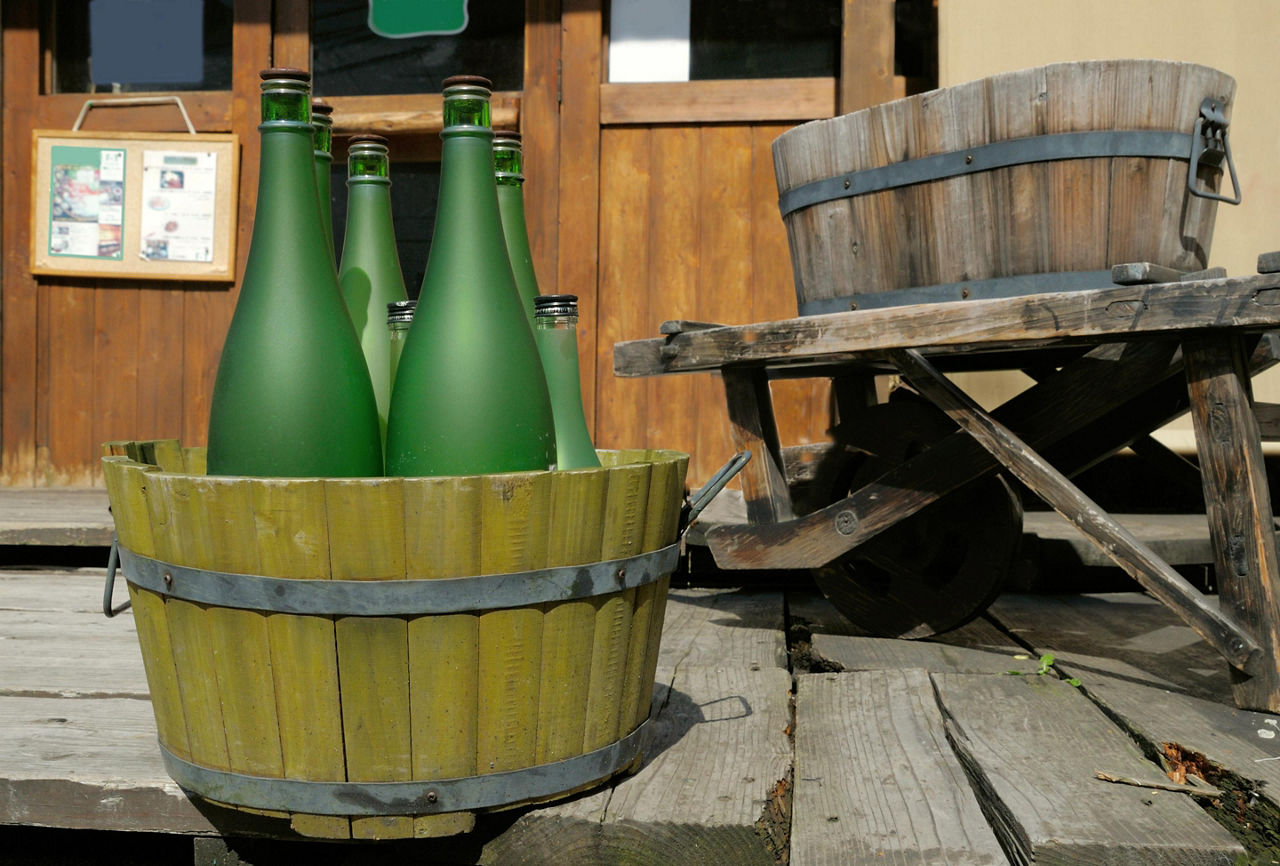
x: 286, y: 101
x: 466, y: 112
x: 368, y: 163
x: 507, y: 162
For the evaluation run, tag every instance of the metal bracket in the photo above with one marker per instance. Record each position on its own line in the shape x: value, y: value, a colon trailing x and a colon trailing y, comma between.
x: 130, y: 101
x: 703, y: 496
x: 1209, y: 147
x: 108, y: 591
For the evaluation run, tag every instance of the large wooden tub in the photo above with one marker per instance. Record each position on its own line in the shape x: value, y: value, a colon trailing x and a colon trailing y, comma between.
x: 357, y: 655
x: 1017, y: 207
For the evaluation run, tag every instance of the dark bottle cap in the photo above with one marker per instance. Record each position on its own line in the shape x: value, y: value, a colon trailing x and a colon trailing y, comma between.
x: 401, y: 311
x: 370, y: 137
x: 285, y: 72
x: 509, y: 134
x: 467, y: 80
x: 555, y: 305
x: 319, y: 106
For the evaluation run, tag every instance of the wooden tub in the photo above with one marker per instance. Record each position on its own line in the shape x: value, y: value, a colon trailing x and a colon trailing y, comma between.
x: 384, y: 709
x: 1019, y: 205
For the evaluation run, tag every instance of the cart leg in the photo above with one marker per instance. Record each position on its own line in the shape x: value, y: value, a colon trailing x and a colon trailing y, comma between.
x: 764, y: 484
x: 1238, y: 504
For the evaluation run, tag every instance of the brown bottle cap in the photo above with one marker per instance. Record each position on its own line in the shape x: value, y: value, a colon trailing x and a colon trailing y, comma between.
x: 285, y: 72
x: 319, y: 106
x: 509, y: 134
x: 370, y: 137
x: 477, y: 80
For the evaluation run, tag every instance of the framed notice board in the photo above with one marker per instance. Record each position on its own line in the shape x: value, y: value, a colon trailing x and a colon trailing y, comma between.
x: 134, y: 205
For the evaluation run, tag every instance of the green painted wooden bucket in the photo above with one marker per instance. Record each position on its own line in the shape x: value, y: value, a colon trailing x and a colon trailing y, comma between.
x: 384, y: 657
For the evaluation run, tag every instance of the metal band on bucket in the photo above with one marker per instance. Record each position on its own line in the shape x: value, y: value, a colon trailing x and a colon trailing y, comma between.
x: 405, y: 798
x: 397, y: 597
x: 1154, y: 144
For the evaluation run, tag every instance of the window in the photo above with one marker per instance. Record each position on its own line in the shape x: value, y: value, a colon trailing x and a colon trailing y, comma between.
x: 349, y: 59
x: 124, y: 46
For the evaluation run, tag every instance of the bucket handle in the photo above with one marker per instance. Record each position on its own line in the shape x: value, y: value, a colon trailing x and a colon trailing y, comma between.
x: 702, y: 498
x: 1209, y: 147
x: 113, y: 562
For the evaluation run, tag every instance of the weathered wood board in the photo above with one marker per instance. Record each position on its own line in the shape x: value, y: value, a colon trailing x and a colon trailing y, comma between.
x: 716, y: 749
x: 1033, y: 746
x: 1125, y: 634
x: 61, y: 516
x: 876, y: 781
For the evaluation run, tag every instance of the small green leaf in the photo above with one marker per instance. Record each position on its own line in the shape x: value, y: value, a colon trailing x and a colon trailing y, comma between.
x: 1073, y: 682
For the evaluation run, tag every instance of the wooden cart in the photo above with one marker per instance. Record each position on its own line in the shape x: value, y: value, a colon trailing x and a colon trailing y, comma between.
x: 907, y: 522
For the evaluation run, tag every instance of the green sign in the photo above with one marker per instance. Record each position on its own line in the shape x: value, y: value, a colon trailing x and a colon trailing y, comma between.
x: 397, y: 19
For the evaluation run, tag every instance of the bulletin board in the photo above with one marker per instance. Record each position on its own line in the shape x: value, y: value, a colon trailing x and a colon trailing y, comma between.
x: 134, y: 205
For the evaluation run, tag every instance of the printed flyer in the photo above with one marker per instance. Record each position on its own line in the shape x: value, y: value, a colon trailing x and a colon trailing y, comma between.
x: 178, y: 205
x: 86, y: 202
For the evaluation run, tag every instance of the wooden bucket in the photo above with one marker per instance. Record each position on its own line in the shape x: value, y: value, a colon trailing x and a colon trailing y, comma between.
x: 1004, y: 186
x: 310, y: 657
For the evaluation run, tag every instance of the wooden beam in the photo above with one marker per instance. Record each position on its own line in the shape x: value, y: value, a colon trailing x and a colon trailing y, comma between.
x: 412, y: 114
x: 1127, y: 551
x: 1238, y: 503
x: 764, y: 483
x: 579, y: 179
x: 1025, y: 321
x: 727, y: 101
x: 866, y: 54
x: 291, y: 35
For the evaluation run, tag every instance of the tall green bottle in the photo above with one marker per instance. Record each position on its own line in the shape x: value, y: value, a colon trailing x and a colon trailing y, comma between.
x: 370, y: 273
x: 292, y: 396
x: 322, y: 137
x: 556, y: 331
x: 508, y: 164
x: 470, y: 395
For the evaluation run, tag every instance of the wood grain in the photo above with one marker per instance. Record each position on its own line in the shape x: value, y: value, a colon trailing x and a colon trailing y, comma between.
x: 907, y: 802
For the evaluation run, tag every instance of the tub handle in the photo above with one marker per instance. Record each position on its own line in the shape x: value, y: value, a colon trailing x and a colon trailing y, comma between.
x: 702, y: 498
x: 1209, y: 147
x: 113, y: 562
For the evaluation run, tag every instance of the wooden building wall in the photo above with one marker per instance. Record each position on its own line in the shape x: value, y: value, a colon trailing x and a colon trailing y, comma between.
x: 650, y: 202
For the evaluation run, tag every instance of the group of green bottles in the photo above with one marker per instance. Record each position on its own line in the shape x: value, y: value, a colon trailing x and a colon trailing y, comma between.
x: 311, y: 384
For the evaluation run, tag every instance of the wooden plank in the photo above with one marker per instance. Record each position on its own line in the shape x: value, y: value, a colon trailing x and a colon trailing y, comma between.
x: 20, y: 52
x: 71, y: 383
x: 160, y: 372
x: 1131, y: 554
x: 751, y: 419
x: 540, y: 125
x: 1238, y: 503
x: 116, y: 351
x: 1135, y: 273
x: 726, y: 101
x: 907, y: 793
x: 579, y: 181
x: 1003, y: 729
x: 55, y: 516
x: 1113, y: 314
x: 624, y: 275
x: 1178, y: 539
x: 1125, y: 634
x: 866, y: 55
x: 889, y: 654
x: 1269, y: 263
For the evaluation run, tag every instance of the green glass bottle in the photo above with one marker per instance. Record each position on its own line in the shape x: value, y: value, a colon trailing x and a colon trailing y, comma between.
x: 508, y: 160
x: 322, y: 122
x: 292, y: 395
x: 470, y: 395
x: 370, y: 272
x: 556, y: 331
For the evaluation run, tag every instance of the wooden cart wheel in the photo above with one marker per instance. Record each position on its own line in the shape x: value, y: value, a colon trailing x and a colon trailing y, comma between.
x: 937, y: 569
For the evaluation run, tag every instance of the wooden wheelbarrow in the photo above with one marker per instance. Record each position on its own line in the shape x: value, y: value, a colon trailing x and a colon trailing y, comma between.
x: 906, y: 520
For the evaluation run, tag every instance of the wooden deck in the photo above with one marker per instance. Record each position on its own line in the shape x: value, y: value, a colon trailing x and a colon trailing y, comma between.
x: 778, y: 736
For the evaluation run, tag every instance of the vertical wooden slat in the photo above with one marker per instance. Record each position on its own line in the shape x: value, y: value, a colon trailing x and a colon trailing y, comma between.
x: 514, y: 519
x: 443, y: 522
x: 21, y: 52
x: 579, y: 178
x: 292, y: 532
x: 866, y: 54
x: 69, y: 355
x: 160, y: 362
x: 291, y: 36
x: 540, y: 125
x: 624, y: 257
x: 116, y: 365
x: 577, y: 514
x: 672, y: 289
x: 366, y: 542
